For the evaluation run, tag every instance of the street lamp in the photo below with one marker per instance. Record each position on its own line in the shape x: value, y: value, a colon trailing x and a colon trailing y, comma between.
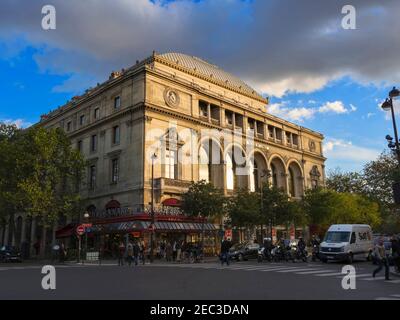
x: 394, y: 146
x: 388, y: 106
x: 86, y: 216
x: 153, y: 158
x: 265, y: 173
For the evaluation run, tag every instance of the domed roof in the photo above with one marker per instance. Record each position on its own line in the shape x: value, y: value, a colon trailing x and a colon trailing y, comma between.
x: 209, y: 70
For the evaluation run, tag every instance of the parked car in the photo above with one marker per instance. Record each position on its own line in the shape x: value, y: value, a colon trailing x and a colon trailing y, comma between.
x: 10, y: 254
x: 244, y: 251
x: 347, y: 242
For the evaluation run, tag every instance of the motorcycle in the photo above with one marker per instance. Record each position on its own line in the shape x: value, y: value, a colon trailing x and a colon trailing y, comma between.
x: 301, y: 255
x: 264, y: 254
x: 315, y: 252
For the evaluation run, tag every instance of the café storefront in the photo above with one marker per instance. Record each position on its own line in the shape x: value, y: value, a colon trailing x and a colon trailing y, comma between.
x: 114, y: 225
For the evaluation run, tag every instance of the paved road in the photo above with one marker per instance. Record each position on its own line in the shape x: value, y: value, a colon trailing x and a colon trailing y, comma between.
x: 239, y: 281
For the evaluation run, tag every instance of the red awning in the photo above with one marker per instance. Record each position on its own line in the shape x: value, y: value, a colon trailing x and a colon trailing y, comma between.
x: 172, y: 202
x: 66, y: 231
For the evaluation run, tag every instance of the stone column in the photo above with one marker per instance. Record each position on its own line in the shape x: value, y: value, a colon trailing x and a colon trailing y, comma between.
x: 7, y: 229
x: 42, y: 252
x: 23, y: 230
x: 33, y: 236
x: 209, y: 112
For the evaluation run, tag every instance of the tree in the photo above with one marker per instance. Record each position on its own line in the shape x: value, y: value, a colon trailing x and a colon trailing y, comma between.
x: 274, y: 209
x: 203, y: 200
x: 51, y: 171
x: 244, y: 209
x: 339, y: 181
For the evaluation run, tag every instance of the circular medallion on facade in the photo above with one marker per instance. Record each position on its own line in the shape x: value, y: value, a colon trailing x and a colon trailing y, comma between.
x: 171, y: 98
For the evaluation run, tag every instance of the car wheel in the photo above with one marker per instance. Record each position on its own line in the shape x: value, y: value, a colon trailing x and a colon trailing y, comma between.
x: 259, y: 259
x: 240, y: 257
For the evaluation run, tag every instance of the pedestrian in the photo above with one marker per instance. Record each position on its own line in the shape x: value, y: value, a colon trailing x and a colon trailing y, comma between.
x: 225, y: 246
x: 174, y: 251
x: 62, y: 252
x: 168, y: 251
x: 121, y: 253
x: 381, y: 259
x: 136, y: 252
x: 143, y: 252
x: 396, y: 252
x: 129, y: 252
x: 178, y: 251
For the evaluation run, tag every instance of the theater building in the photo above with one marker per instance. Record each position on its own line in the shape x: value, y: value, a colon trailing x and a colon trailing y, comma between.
x: 182, y: 119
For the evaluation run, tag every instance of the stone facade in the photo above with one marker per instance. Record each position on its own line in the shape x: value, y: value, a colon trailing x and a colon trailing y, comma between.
x: 117, y: 123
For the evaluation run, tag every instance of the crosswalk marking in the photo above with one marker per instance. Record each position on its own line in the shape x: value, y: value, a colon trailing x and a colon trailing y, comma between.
x: 312, y: 272
x: 329, y: 274
x: 394, y: 281
x: 295, y: 269
x: 372, y: 278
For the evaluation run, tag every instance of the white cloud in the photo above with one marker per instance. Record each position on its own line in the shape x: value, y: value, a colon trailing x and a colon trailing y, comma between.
x: 20, y: 123
x: 304, y: 113
x: 335, y: 107
x: 302, y: 49
x: 346, y: 151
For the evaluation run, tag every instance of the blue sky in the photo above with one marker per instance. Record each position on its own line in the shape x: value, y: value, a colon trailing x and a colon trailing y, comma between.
x: 316, y: 74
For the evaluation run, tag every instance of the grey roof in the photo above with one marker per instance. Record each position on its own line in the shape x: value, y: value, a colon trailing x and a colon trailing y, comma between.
x: 206, y: 69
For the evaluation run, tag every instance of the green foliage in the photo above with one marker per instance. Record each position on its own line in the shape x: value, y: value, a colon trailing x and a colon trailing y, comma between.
x: 203, y: 200
x: 325, y: 207
x: 244, y: 208
x: 39, y: 173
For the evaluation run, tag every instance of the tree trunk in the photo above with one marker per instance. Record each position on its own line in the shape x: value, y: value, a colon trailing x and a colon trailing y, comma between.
x: 42, y: 252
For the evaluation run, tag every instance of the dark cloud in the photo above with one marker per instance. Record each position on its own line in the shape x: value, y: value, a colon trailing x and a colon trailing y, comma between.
x: 275, y: 45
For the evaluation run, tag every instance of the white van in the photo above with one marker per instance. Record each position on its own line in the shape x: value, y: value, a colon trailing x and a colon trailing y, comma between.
x: 347, y: 242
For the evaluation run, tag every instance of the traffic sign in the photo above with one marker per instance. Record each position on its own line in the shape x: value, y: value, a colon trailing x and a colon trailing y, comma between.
x: 80, y: 230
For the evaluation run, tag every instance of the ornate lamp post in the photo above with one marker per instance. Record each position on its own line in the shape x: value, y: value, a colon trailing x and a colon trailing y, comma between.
x: 265, y: 173
x: 153, y: 158
x: 86, y: 217
x: 394, y: 146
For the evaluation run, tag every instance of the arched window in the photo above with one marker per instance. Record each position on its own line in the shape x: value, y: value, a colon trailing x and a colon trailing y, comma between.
x: 292, y: 187
x: 204, y: 165
x: 254, y: 185
x: 274, y: 176
x: 230, y: 172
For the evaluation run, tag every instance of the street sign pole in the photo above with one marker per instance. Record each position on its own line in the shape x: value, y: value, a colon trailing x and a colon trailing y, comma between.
x: 79, y: 248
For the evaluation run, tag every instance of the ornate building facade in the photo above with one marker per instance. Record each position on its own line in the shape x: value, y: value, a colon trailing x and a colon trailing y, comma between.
x: 141, y: 121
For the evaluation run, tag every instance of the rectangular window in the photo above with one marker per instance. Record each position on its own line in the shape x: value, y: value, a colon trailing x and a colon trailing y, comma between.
x: 82, y: 120
x: 97, y: 113
x: 117, y: 102
x: 80, y: 146
x: 92, y: 177
x: 170, y: 161
x: 115, y: 171
x: 203, y: 107
x: 116, y: 135
x: 93, y: 143
x: 295, y: 138
x: 271, y: 132
x: 229, y: 118
x: 69, y: 126
x: 288, y: 134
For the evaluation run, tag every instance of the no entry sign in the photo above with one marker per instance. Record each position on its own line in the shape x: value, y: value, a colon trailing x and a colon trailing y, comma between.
x: 80, y: 230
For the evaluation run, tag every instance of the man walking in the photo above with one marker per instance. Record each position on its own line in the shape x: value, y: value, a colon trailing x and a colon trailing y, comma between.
x: 130, y: 253
x: 121, y: 253
x: 136, y: 251
x: 225, y: 246
x: 381, y: 259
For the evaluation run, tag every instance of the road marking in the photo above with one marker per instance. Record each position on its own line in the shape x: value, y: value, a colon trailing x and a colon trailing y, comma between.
x: 329, y: 274
x: 311, y: 272
x: 388, y: 298
x: 372, y: 278
x: 293, y: 269
x: 393, y: 281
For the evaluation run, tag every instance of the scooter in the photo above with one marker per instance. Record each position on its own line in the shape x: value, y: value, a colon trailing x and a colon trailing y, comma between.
x: 264, y: 254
